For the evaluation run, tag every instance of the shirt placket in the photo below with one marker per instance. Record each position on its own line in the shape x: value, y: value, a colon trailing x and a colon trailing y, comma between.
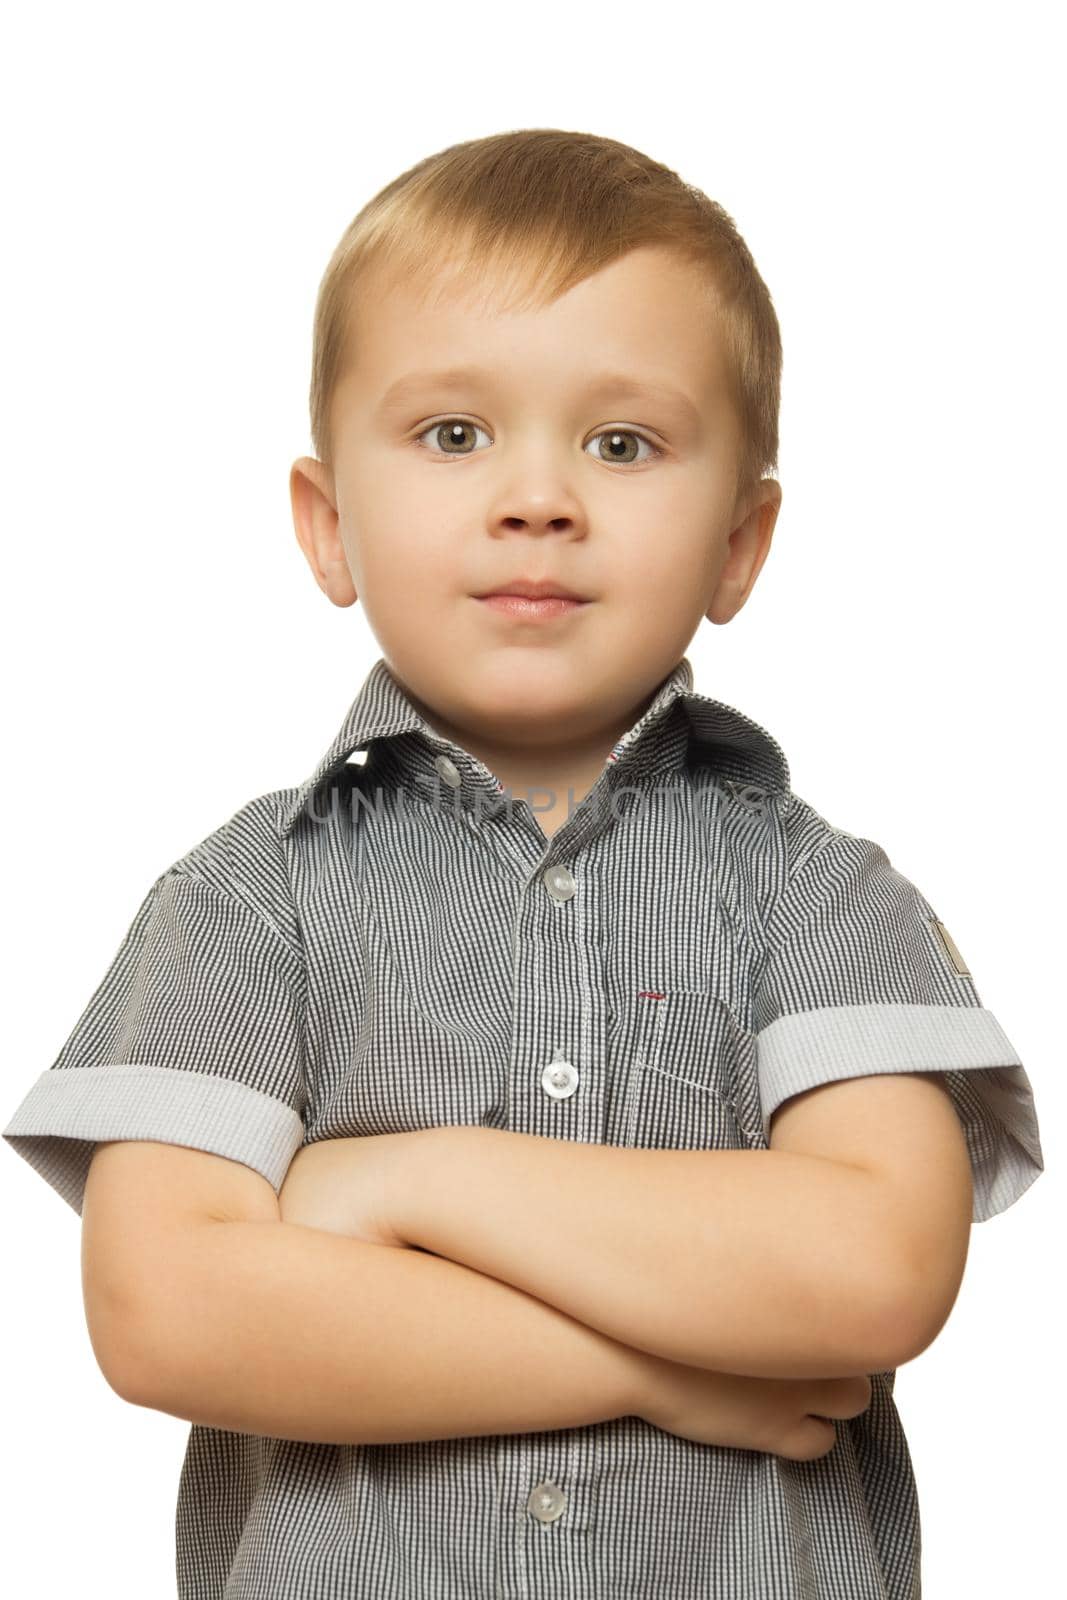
x: 547, y: 1482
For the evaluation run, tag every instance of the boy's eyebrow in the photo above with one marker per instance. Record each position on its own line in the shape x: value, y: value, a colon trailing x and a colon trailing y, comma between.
x: 616, y: 383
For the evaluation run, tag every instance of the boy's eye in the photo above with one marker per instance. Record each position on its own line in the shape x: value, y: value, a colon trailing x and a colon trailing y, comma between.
x: 451, y: 435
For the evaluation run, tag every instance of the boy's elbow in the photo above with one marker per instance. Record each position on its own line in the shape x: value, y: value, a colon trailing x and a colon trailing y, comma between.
x: 926, y: 1288
x: 120, y: 1351
x: 117, y: 1335
x: 922, y: 1311
x: 908, y: 1315
x: 892, y: 1339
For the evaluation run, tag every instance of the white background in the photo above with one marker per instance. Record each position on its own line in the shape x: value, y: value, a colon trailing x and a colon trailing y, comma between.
x: 174, y: 181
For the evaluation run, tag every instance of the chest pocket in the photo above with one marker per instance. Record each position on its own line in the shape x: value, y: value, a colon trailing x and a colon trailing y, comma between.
x: 682, y: 1058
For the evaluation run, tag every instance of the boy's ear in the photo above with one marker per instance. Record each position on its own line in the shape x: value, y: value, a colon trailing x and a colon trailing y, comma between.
x: 748, y: 547
x: 315, y: 520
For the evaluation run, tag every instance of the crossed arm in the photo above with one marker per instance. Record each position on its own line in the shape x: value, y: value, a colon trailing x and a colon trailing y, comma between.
x: 556, y: 1274
x: 768, y: 1263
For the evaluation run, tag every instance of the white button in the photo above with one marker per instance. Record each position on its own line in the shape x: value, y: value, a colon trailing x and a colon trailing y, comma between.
x: 547, y: 1502
x: 560, y: 1079
x: 559, y: 882
x: 448, y: 770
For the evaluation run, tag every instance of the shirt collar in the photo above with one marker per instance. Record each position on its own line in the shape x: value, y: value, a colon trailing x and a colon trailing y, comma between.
x: 736, y: 746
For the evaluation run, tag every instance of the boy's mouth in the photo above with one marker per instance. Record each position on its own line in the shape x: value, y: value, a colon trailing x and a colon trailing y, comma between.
x: 523, y: 608
x: 533, y: 599
x: 533, y: 589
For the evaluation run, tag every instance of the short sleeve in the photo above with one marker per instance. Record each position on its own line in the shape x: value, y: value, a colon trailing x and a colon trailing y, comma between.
x: 860, y: 977
x: 194, y: 1036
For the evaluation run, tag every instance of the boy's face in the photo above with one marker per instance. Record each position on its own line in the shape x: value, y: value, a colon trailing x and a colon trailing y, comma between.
x: 545, y: 463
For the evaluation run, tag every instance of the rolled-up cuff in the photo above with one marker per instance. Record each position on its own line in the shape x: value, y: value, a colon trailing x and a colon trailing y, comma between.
x: 987, y: 1082
x: 68, y: 1111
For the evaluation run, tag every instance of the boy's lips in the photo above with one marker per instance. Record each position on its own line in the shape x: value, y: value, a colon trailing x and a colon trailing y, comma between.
x: 523, y: 608
x: 533, y: 589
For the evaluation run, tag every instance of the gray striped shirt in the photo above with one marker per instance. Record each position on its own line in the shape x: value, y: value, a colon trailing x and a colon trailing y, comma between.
x: 396, y: 945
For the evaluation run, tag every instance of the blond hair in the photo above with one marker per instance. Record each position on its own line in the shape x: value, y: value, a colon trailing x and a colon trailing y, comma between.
x: 550, y: 207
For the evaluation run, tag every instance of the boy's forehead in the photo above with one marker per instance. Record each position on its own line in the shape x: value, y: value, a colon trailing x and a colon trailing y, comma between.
x: 464, y: 280
x: 644, y: 326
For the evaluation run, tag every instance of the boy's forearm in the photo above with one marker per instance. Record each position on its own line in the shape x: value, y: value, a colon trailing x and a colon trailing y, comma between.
x: 291, y: 1332
x: 756, y: 1262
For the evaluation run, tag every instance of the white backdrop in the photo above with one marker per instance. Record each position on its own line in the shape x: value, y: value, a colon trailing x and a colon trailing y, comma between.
x: 175, y: 179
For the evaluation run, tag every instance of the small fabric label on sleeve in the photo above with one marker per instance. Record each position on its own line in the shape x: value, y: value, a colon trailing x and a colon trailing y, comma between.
x: 949, y: 945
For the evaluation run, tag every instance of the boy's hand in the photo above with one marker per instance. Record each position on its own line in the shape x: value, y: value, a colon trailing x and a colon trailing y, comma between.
x: 340, y: 1186
x: 790, y: 1417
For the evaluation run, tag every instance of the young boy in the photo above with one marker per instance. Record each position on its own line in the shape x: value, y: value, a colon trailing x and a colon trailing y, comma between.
x: 642, y: 1113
